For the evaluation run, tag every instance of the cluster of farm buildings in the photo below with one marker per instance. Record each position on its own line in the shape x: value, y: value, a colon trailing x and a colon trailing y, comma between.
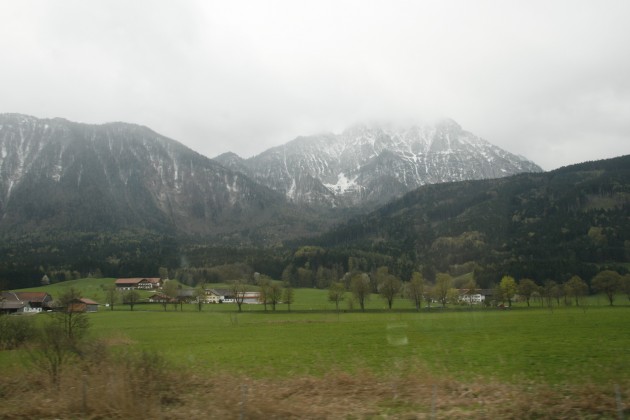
x: 183, y: 295
x: 35, y: 302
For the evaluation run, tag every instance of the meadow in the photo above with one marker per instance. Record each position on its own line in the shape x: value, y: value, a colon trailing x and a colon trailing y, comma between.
x: 563, y: 346
x: 567, y: 351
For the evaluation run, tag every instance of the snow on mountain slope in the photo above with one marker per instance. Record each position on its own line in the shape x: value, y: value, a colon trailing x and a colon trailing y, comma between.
x: 373, y: 164
x: 57, y: 173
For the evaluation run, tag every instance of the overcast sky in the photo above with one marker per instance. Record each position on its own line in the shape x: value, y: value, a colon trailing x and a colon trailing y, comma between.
x: 549, y: 80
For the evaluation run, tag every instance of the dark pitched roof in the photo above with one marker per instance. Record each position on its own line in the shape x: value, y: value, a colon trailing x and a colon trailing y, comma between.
x: 136, y: 280
x: 88, y: 301
x: 221, y: 292
x: 162, y: 296
x: 10, y: 297
x: 33, y: 296
x: 6, y: 304
x: 10, y: 300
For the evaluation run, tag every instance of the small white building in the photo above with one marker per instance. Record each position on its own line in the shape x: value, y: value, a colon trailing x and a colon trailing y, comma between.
x: 471, y: 299
x: 227, y: 296
x: 138, y: 283
x: 219, y: 296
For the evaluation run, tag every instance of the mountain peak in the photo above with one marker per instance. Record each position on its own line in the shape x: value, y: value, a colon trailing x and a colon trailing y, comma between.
x: 415, y: 154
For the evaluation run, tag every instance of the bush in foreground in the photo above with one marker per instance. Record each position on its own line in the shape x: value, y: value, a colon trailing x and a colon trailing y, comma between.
x: 15, y: 331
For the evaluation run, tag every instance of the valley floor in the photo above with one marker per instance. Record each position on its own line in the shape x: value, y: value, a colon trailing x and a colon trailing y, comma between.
x: 525, y: 363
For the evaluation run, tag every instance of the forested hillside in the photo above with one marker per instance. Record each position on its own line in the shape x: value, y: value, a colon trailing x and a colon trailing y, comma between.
x: 544, y: 226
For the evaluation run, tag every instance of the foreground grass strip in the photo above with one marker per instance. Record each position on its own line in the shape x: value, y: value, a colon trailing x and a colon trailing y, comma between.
x: 505, y: 364
x: 135, y: 390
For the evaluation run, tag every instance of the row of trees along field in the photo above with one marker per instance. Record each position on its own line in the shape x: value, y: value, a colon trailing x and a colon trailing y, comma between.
x: 357, y: 287
x: 361, y: 286
x: 435, y: 287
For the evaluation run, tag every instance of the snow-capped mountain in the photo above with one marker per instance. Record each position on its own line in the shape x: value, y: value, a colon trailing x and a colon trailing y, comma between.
x: 373, y: 164
x: 58, y: 174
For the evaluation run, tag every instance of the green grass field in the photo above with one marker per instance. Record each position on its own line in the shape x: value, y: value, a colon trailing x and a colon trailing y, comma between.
x: 566, y: 345
x: 563, y: 345
x: 312, y: 362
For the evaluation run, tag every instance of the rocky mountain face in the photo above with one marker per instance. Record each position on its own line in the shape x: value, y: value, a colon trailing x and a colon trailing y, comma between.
x: 56, y: 174
x: 374, y: 164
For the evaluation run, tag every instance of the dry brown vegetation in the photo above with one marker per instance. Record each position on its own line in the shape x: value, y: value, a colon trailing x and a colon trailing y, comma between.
x: 142, y: 385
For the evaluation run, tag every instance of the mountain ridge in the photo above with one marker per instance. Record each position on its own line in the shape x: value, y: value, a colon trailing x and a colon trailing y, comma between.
x: 372, y: 164
x: 56, y: 172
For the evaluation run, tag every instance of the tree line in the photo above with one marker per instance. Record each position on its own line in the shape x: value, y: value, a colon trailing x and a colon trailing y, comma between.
x: 419, y: 290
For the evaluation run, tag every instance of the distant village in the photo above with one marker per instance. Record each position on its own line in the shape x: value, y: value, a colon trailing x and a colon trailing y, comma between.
x: 35, y: 302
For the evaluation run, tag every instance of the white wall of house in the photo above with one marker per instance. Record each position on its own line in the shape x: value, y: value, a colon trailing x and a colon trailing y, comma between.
x: 474, y: 299
x: 29, y: 310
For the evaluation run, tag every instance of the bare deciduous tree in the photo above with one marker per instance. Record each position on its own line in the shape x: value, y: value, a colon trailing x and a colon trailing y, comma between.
x: 415, y: 289
x: 361, y: 288
x: 508, y: 288
x: 288, y: 295
x: 607, y: 282
x: 73, y: 321
x: 336, y: 293
x: 53, y: 351
x: 200, y: 295
x: 526, y: 288
x: 111, y: 295
x: 577, y: 288
x: 275, y: 294
x: 550, y: 291
x: 171, y: 289
x: 388, y: 286
x: 131, y: 297
x: 265, y: 290
x: 60, y: 340
x: 441, y: 288
x: 238, y: 290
